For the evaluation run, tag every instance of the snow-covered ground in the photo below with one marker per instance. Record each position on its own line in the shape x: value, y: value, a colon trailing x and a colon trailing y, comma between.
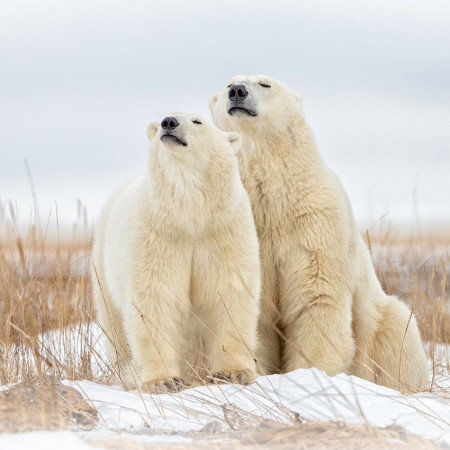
x: 286, y: 399
x: 308, y: 394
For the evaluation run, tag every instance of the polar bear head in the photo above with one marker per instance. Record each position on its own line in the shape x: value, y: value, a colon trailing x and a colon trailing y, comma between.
x: 187, y: 145
x: 249, y: 103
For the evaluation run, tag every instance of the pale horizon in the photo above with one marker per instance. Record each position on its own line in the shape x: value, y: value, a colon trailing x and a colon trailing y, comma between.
x: 80, y: 82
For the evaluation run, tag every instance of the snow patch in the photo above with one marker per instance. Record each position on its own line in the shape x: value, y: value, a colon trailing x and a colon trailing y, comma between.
x: 308, y: 393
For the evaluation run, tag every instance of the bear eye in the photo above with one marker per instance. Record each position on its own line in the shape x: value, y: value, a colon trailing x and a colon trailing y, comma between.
x: 264, y: 85
x: 197, y: 122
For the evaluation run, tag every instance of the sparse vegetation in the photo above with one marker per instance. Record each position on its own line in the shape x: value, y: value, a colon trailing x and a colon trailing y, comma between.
x: 48, y: 329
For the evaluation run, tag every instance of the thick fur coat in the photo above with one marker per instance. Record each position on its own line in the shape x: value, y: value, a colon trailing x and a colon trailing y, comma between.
x: 321, y: 304
x: 176, y: 273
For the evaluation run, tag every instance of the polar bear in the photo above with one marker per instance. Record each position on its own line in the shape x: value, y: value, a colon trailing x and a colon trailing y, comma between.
x: 321, y: 303
x: 176, y: 271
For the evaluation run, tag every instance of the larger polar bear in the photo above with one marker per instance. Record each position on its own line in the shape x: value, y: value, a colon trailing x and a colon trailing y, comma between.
x: 176, y: 273
x: 322, y: 304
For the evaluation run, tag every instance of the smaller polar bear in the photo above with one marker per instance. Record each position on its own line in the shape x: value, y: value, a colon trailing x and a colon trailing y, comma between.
x: 176, y: 273
x: 321, y: 302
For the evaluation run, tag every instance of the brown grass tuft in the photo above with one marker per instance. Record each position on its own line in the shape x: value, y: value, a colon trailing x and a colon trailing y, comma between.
x: 47, y: 316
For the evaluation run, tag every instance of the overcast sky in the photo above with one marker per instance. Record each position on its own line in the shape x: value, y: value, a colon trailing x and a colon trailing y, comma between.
x: 80, y: 80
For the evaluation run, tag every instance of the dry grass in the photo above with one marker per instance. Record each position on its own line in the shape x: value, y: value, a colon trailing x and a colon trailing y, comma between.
x: 272, y: 435
x: 45, y: 286
x: 414, y: 267
x: 44, y: 404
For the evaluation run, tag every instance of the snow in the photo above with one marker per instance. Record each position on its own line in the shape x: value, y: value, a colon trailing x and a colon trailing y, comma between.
x: 310, y: 393
x: 43, y: 440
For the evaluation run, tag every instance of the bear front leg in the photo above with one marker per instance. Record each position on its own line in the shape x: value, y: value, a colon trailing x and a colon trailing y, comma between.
x: 316, y: 309
x: 156, y: 314
x: 234, y: 353
x: 154, y: 336
x: 226, y: 295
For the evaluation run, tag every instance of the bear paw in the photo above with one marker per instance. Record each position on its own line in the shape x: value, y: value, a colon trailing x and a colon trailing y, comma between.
x: 164, y: 385
x: 244, y: 376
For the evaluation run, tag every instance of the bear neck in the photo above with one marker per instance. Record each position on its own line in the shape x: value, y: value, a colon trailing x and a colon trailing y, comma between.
x: 290, y: 151
x: 209, y: 188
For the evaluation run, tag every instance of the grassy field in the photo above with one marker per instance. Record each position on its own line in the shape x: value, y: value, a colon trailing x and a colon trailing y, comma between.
x: 48, y: 330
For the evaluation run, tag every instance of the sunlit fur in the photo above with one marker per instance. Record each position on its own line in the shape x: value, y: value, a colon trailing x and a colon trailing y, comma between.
x: 176, y: 263
x: 322, y: 304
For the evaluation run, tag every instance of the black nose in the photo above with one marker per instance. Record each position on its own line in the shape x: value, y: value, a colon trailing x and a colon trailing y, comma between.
x: 237, y: 92
x: 169, y: 123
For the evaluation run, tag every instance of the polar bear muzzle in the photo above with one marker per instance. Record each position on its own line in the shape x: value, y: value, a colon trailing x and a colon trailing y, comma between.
x: 239, y: 103
x: 171, y: 133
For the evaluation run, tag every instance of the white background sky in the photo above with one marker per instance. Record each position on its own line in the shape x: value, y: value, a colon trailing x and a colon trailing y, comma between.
x: 80, y: 81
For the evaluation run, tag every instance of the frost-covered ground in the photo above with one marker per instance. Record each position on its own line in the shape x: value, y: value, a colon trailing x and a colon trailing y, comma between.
x: 303, y: 394
x: 183, y: 418
x: 216, y: 413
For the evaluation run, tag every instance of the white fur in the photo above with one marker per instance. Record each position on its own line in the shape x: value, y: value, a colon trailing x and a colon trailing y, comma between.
x: 176, y: 265
x: 322, y: 304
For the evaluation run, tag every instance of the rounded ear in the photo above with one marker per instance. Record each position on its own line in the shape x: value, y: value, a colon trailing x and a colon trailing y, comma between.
x: 235, y: 141
x: 151, y: 130
x: 212, y: 102
x: 299, y: 99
